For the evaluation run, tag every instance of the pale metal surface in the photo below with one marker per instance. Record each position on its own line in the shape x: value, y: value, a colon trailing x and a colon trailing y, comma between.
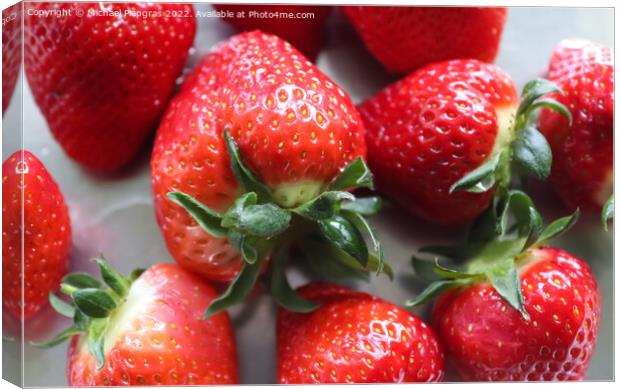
x: 115, y: 216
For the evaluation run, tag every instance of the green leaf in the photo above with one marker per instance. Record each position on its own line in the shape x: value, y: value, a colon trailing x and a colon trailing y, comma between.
x: 244, y: 175
x: 365, y: 206
x: 249, y: 251
x: 379, y: 265
x: 364, y: 228
x: 533, y: 90
x: 94, y: 302
x: 58, y: 339
x: 81, y: 321
x: 433, y: 271
x: 81, y: 280
x: 504, y: 277
x: 233, y: 214
x: 328, y: 262
x: 237, y: 239
x: 608, y: 211
x: 557, y: 228
x: 346, y: 236
x: 450, y: 273
x: 536, y: 222
x: 480, y: 179
x: 135, y: 274
x: 324, y: 206
x: 424, y: 269
x: 435, y: 289
x: 113, y: 279
x: 237, y: 290
x: 493, y: 252
x: 354, y: 175
x: 553, y: 105
x: 282, y: 292
x: 206, y: 218
x: 96, y: 336
x: 522, y: 209
x: 264, y: 220
x: 532, y: 152
x: 484, y: 229
x: 254, y: 248
x: 61, y: 307
x: 250, y: 247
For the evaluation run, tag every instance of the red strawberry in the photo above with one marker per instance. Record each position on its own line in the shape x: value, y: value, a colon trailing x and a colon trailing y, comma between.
x: 428, y: 130
x: 582, y: 172
x: 46, y: 234
x: 516, y: 310
x: 406, y: 38
x: 11, y: 51
x: 489, y: 341
x: 294, y: 128
x: 303, y: 28
x: 354, y: 338
x: 144, y: 330
x: 103, y: 79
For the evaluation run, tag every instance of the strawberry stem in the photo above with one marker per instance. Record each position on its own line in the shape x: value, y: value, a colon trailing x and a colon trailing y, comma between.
x: 91, y: 305
x: 256, y: 225
x: 495, y: 250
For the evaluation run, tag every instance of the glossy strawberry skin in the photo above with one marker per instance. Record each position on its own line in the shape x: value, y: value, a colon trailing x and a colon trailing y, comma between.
x: 305, y: 34
x: 11, y: 51
x: 165, y: 340
x: 487, y: 340
x: 354, y: 338
x: 406, y: 38
x: 573, y: 56
x: 430, y: 129
x: 582, y: 170
x: 102, y: 81
x: 46, y: 234
x: 292, y: 124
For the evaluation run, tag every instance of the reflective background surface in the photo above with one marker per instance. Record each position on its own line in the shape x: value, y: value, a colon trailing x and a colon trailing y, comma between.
x: 114, y: 215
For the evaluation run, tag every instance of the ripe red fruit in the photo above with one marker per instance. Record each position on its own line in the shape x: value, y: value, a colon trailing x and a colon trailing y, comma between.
x: 406, y: 38
x: 354, y: 338
x: 295, y: 129
x: 103, y: 79
x: 147, y: 329
x: 428, y: 130
x: 487, y: 340
x: 11, y: 51
x: 46, y: 234
x: 515, y: 309
x: 582, y: 171
x: 304, y: 30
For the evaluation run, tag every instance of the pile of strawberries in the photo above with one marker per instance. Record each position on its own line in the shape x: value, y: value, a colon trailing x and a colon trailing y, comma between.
x: 261, y: 160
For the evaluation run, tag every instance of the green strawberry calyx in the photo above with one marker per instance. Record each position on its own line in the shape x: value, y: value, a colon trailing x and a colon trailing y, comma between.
x: 91, y: 305
x: 259, y: 227
x: 527, y: 152
x: 497, y: 247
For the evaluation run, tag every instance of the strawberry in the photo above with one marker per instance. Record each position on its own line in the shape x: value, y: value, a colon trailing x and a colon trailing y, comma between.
x: 103, y: 78
x: 146, y: 329
x: 354, y: 338
x: 582, y: 172
x: 302, y: 28
x: 406, y: 38
x: 489, y: 341
x: 443, y: 138
x: 11, y: 51
x: 517, y: 309
x: 258, y: 142
x: 46, y: 235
